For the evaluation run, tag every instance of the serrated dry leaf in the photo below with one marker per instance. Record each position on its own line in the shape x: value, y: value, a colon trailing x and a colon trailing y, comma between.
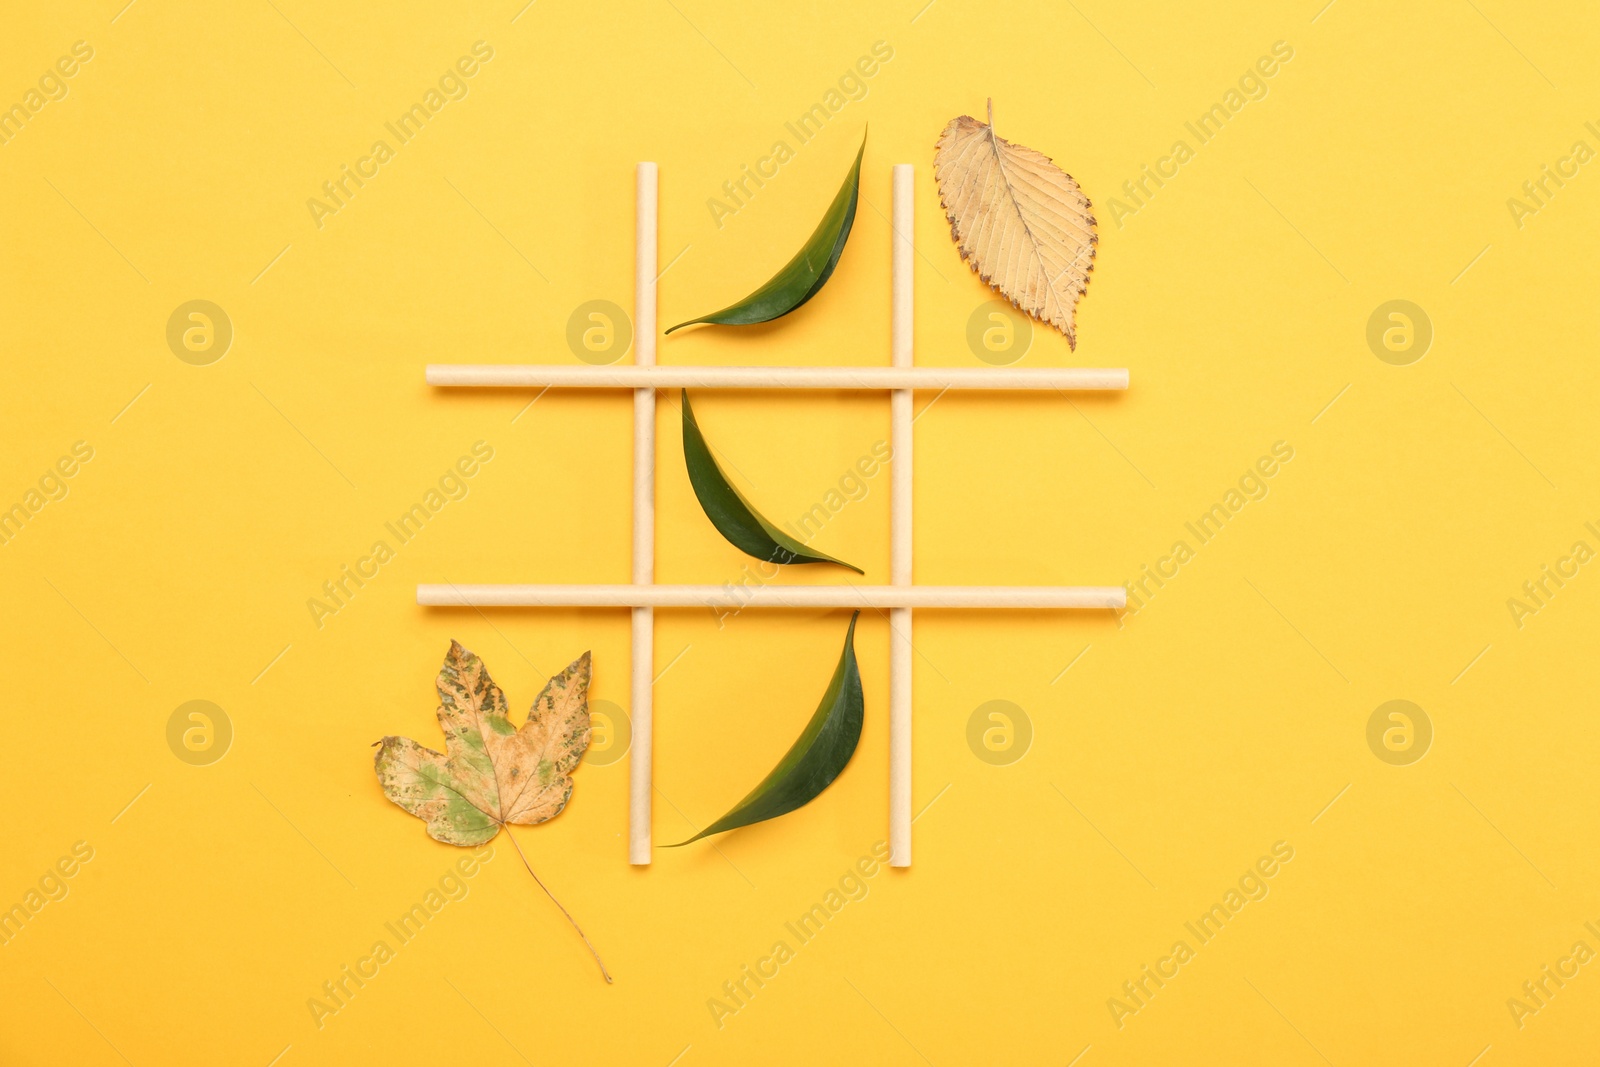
x: 1020, y: 221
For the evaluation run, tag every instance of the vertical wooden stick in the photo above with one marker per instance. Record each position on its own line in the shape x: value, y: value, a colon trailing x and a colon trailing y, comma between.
x: 900, y: 523
x: 644, y: 516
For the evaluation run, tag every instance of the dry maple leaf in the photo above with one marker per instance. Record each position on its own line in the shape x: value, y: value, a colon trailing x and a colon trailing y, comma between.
x: 1020, y: 221
x: 492, y: 773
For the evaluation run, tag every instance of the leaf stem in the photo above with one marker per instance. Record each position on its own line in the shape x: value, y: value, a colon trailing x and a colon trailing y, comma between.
x: 558, y: 904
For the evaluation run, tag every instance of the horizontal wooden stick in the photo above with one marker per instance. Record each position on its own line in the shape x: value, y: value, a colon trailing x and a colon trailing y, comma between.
x: 630, y: 376
x: 773, y: 596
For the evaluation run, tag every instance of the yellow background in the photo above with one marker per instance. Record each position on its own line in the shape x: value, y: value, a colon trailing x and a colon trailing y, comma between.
x: 1183, y: 743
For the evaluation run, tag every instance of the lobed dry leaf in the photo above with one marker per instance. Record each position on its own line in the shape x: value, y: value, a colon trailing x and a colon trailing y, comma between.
x: 1020, y: 221
x: 491, y: 773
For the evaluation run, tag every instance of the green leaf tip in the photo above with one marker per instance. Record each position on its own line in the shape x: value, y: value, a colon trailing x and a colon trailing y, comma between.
x: 735, y: 517
x: 804, y: 275
x: 815, y: 760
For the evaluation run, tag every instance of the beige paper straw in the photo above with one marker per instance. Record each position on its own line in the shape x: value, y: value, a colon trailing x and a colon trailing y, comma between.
x: 640, y: 784
x: 721, y: 597
x: 623, y: 376
x: 902, y: 339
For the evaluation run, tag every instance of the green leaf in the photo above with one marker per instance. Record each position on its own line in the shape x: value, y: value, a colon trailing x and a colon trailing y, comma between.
x: 733, y: 516
x: 804, y: 275
x: 822, y: 752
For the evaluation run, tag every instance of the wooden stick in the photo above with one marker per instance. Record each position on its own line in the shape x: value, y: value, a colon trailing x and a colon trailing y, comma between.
x: 640, y: 783
x: 902, y: 339
x: 623, y: 376
x: 720, y: 598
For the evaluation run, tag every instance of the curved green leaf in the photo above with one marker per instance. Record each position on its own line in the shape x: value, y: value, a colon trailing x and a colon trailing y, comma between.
x: 733, y: 516
x: 804, y: 275
x: 811, y: 765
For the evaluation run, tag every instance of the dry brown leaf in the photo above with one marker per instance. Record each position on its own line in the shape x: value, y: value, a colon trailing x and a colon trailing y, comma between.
x: 1020, y: 221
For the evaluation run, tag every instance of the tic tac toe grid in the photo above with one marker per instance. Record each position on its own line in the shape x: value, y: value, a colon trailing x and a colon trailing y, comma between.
x: 643, y: 596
